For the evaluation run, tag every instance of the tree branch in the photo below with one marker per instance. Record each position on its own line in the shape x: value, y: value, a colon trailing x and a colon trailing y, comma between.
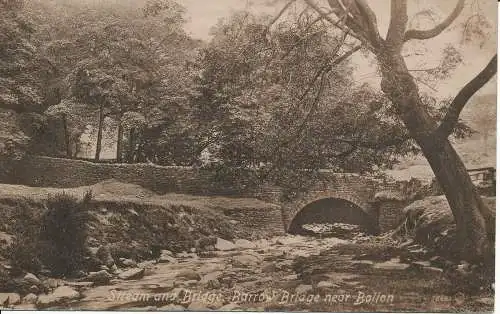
x: 370, y: 24
x: 433, y: 32
x: 289, y: 3
x: 453, y: 114
x: 397, y: 25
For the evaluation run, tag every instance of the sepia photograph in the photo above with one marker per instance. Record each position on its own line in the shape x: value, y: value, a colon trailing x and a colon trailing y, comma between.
x: 248, y: 155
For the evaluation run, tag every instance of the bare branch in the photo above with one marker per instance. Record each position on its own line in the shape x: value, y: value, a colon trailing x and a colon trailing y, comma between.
x: 320, y: 74
x: 283, y: 10
x: 453, y: 114
x: 340, y: 23
x: 433, y: 32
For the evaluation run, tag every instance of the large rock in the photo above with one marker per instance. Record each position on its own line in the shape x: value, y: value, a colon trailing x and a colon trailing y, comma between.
x: 421, y: 264
x: 104, y: 255
x: 172, y: 308
x: 303, y: 289
x: 127, y: 262
x: 131, y: 274
x: 34, y: 289
x: 188, y: 274
x: 53, y: 283
x: 268, y: 268
x: 101, y: 277
x: 30, y: 298
x: 224, y: 245
x: 433, y: 270
x: 59, y: 296
x: 198, y: 306
x: 211, y: 280
x: 326, y: 285
x: 362, y: 264
x: 246, y: 260
x: 30, y: 279
x: 13, y: 298
x: 244, y: 244
x: 392, y: 264
x: 79, y: 284
x: 165, y: 258
x: 290, y: 277
x: 488, y: 301
x: 230, y: 307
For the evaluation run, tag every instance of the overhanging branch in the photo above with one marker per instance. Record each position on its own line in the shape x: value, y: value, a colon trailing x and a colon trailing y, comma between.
x: 339, y: 23
x: 438, y: 29
x: 369, y: 22
x: 374, y: 145
x: 453, y: 114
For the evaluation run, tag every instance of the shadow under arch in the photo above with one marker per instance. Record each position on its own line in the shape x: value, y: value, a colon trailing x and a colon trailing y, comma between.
x: 332, y: 210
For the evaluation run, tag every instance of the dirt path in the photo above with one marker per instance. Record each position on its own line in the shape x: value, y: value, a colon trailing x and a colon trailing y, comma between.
x: 284, y: 273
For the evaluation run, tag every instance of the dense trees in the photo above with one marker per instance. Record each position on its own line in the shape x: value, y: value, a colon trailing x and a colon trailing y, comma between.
x: 119, y: 61
x: 23, y: 73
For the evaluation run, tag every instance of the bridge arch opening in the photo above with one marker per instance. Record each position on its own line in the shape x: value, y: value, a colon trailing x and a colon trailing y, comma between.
x: 330, y: 211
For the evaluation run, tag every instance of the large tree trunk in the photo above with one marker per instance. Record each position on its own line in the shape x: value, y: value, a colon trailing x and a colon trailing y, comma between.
x: 66, y: 137
x: 99, y: 132
x: 119, y: 142
x: 131, y: 145
x: 475, y: 223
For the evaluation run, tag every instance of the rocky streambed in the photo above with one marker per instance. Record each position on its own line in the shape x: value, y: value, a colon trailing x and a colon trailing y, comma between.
x: 283, y: 273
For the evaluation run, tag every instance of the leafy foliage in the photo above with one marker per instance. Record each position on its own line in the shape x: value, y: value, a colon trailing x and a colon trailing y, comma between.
x: 54, y: 239
x: 23, y: 75
x: 278, y: 103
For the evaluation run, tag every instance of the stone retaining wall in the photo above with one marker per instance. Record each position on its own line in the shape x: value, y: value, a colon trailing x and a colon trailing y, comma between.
x: 66, y: 173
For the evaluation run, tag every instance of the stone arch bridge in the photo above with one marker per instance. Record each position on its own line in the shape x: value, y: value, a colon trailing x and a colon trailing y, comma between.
x: 347, y: 198
x: 334, y: 197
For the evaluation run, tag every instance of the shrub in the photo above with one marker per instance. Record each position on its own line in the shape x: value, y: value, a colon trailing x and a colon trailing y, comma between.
x: 23, y: 252
x: 63, y: 233
x: 54, y: 238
